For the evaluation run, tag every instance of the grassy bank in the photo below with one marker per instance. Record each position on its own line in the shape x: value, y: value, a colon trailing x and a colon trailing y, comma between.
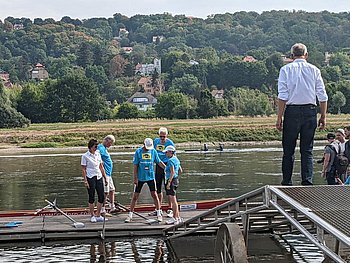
x: 131, y: 132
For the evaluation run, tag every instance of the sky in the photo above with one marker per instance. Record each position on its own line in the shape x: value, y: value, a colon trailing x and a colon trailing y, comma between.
x: 198, y: 8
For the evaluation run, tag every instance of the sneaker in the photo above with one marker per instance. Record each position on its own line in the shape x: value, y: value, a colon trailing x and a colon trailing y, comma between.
x: 153, y: 213
x: 93, y: 219
x: 103, y: 210
x: 114, y: 210
x: 169, y: 213
x: 101, y: 219
x: 128, y: 219
x: 159, y: 218
x: 171, y: 221
x: 179, y: 220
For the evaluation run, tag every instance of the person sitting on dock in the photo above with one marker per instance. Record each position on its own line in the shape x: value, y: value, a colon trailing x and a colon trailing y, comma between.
x: 160, y: 144
x: 144, y: 159
x: 93, y: 171
x: 108, y: 166
x: 172, y: 171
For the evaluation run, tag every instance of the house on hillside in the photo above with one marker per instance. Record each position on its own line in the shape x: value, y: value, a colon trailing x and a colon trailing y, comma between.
x: 145, y: 85
x: 143, y: 101
x: 18, y: 26
x: 148, y: 69
x: 249, y: 59
x: 39, y: 72
x: 157, y: 39
x: 286, y: 59
x: 127, y: 50
x: 123, y: 33
x: 218, y: 94
x: 327, y: 58
x: 5, y: 79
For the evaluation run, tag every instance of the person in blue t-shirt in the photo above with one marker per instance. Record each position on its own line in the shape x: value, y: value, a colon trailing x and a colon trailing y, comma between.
x: 108, y: 166
x: 144, y: 159
x: 160, y: 144
x: 172, y: 171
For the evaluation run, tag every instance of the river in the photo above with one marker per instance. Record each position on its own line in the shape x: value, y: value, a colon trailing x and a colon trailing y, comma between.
x: 27, y: 179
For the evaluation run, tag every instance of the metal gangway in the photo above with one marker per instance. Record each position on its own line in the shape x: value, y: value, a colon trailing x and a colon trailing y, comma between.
x: 320, y: 213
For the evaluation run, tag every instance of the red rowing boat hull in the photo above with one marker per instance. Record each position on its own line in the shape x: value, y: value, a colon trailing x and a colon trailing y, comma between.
x: 184, y: 206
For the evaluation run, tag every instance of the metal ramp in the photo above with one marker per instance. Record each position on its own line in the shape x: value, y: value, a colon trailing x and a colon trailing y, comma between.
x: 320, y: 213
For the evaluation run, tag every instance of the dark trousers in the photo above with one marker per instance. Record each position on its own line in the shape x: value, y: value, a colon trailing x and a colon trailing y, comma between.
x: 95, y: 185
x: 330, y: 177
x: 298, y: 120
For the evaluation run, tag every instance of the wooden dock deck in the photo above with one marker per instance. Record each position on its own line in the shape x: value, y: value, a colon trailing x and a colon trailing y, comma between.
x: 58, y: 227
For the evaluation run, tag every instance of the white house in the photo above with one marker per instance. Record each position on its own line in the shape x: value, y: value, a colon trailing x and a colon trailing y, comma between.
x: 148, y: 69
x: 143, y: 101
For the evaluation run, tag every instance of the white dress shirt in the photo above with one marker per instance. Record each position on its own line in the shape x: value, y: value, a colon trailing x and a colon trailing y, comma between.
x: 300, y: 83
x: 92, y: 163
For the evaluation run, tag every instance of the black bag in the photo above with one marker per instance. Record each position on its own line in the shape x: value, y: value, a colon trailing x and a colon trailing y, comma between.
x: 341, y: 162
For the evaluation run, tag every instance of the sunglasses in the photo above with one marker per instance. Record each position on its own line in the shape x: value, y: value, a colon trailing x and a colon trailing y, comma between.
x: 162, y: 136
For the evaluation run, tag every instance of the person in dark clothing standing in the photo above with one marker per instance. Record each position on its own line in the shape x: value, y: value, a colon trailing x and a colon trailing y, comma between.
x: 299, y: 84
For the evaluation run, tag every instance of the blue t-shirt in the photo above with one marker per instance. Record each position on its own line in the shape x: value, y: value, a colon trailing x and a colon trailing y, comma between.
x: 145, y: 160
x: 172, y: 162
x: 106, y: 158
x: 161, y: 147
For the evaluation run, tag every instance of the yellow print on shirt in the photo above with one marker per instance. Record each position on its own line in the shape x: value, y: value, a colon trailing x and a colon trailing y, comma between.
x: 146, y: 156
x: 160, y: 147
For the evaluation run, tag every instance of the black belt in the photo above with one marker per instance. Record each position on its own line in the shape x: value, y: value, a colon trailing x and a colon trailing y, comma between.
x: 300, y: 105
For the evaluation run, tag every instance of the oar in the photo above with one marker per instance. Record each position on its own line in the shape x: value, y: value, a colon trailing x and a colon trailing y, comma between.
x: 75, y: 223
x: 148, y: 221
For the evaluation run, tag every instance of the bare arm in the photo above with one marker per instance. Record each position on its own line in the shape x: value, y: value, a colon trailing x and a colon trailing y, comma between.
x: 280, y: 112
x: 161, y: 164
x: 83, y: 168
x: 322, y: 120
x: 325, y: 163
x: 172, y: 173
x: 102, y: 169
x: 135, y: 173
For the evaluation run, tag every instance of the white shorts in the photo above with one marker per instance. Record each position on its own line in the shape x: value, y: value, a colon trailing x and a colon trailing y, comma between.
x: 110, y: 187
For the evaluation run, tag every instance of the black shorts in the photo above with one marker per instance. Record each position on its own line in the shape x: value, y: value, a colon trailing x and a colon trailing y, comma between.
x: 151, y: 185
x: 95, y: 185
x: 173, y: 186
x: 160, y: 178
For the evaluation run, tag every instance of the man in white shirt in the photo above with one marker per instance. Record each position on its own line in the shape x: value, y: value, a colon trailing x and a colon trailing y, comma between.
x: 299, y: 84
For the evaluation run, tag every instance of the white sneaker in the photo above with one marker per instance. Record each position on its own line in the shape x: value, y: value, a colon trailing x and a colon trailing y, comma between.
x: 153, y: 213
x: 128, y: 219
x: 101, y: 219
x: 93, y: 219
x: 171, y: 221
x: 103, y: 210
x: 169, y: 213
x: 160, y: 218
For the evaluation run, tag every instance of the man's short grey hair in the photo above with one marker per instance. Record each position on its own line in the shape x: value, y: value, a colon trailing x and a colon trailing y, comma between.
x: 163, y: 130
x: 110, y: 138
x: 298, y: 50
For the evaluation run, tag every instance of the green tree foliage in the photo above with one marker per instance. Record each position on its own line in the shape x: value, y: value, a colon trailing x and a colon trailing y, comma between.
x: 127, y: 111
x: 31, y: 102
x: 249, y: 102
x: 172, y: 105
x: 207, y: 106
x: 9, y: 116
x: 187, y: 84
x: 73, y: 98
x: 338, y: 100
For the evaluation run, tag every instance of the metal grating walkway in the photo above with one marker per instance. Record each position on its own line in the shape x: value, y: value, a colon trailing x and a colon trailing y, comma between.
x: 331, y: 203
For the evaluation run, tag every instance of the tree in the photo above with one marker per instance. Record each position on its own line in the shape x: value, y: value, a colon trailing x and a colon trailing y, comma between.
x: 187, y: 84
x: 74, y: 98
x: 30, y: 102
x: 127, y: 111
x: 207, y: 107
x: 117, y: 66
x: 338, y: 100
x: 9, y: 116
x: 172, y: 105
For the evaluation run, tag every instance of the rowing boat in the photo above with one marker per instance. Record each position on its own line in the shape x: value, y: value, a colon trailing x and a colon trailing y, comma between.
x: 184, y: 206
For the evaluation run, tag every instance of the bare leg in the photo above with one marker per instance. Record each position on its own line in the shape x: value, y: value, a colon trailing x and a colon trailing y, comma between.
x: 99, y: 206
x: 155, y: 200
x: 111, y: 198
x: 175, y: 206
x: 160, y: 197
x: 92, y: 209
x: 135, y: 196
